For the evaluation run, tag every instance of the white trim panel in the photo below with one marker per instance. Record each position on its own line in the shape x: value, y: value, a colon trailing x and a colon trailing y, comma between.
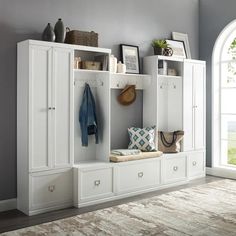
x: 7, y: 205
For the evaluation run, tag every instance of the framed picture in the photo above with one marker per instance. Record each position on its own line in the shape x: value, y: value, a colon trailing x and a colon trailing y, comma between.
x: 130, y: 57
x: 177, y: 47
x: 184, y: 38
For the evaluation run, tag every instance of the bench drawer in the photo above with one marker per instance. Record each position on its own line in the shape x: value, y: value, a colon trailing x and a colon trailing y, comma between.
x: 131, y: 177
x: 196, y: 164
x: 175, y: 169
x: 95, y: 184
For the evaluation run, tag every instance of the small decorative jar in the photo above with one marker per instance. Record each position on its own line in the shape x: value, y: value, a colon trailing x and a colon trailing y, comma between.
x: 121, y: 68
x: 77, y: 63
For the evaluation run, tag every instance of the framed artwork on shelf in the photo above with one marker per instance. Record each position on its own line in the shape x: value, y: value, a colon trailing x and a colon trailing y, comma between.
x: 130, y: 57
x: 184, y: 38
x: 177, y: 47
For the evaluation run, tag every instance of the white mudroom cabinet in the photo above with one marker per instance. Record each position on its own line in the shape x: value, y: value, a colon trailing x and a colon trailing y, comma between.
x: 45, y: 125
x: 194, y: 105
x: 55, y: 171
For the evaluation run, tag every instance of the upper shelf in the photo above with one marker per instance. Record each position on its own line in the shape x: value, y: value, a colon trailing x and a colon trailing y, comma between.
x: 90, y: 71
x: 170, y: 76
x: 119, y: 81
x: 69, y: 46
x: 166, y: 58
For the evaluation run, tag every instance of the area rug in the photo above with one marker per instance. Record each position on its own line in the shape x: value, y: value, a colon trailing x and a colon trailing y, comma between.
x: 208, y: 209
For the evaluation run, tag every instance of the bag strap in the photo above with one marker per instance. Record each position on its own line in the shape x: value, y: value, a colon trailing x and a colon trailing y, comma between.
x: 165, y: 142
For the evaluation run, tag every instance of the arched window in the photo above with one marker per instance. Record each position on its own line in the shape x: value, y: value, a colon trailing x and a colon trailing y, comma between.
x: 224, y: 98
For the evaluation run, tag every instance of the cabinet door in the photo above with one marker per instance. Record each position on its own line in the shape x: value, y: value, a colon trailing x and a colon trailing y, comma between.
x: 199, y: 101
x: 40, y: 78
x: 188, y: 108
x: 62, y: 100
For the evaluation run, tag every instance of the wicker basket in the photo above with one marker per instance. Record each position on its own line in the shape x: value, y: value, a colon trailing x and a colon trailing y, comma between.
x: 81, y: 38
x: 91, y: 65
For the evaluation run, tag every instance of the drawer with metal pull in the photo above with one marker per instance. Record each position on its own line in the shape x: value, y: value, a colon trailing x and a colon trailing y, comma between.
x: 175, y: 168
x: 51, y: 189
x: 135, y: 176
x: 196, y: 164
x: 95, y: 184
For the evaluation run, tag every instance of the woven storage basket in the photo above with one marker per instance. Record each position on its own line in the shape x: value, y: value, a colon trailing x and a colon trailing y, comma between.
x: 91, y: 65
x: 82, y: 38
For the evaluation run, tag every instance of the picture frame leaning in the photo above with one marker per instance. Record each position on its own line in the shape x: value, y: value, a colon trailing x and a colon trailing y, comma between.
x: 177, y: 47
x: 184, y: 38
x: 130, y: 57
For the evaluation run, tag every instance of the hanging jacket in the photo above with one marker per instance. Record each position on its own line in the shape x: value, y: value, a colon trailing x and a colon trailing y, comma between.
x: 87, y: 116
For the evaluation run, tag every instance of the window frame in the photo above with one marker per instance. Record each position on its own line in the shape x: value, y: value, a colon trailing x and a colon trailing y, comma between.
x: 217, y: 63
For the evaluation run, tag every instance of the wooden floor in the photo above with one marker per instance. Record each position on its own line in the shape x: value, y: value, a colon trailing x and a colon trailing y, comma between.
x: 14, y: 219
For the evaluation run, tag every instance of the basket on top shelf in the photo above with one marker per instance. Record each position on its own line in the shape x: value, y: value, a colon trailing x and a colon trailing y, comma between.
x: 81, y: 38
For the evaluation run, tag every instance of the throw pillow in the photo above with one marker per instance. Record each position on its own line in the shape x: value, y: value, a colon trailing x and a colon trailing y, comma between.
x: 142, y: 139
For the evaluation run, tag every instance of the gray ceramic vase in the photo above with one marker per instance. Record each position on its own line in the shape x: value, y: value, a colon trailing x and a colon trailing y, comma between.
x: 48, y: 34
x: 60, y: 32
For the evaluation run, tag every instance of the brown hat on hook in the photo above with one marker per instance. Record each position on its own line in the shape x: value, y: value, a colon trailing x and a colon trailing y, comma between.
x: 127, y: 95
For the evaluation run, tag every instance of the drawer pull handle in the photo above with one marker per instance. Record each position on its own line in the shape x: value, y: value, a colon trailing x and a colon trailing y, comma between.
x: 51, y: 188
x: 175, y: 168
x: 97, y: 182
x: 194, y: 163
x: 140, y: 174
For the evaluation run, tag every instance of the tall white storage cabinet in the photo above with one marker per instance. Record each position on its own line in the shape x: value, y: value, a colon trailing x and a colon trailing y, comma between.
x: 194, y: 105
x: 178, y: 103
x: 45, y: 126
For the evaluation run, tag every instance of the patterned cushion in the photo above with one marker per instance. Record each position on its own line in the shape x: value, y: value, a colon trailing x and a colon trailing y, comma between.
x: 142, y: 139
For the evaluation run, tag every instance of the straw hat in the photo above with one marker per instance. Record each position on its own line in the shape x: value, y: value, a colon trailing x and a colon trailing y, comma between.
x: 127, y: 95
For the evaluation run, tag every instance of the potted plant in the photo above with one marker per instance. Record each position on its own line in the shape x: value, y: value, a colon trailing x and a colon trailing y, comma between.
x: 159, y: 46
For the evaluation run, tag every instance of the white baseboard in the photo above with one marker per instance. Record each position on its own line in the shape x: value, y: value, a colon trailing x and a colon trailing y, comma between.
x: 8, y: 204
x: 229, y: 173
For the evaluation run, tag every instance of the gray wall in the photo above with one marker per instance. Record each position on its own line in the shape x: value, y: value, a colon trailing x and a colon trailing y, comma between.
x: 214, y: 16
x: 134, y: 22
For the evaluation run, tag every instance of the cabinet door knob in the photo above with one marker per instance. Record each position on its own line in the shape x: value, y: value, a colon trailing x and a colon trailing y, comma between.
x: 140, y: 174
x: 194, y: 163
x: 97, y: 182
x: 175, y: 168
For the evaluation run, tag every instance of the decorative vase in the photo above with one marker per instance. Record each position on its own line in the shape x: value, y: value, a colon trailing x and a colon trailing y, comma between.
x: 60, y: 32
x: 121, y: 68
x: 158, y: 51
x: 113, y: 64
x: 48, y: 34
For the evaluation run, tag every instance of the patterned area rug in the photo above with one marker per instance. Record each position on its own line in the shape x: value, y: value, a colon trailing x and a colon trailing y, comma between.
x: 208, y: 209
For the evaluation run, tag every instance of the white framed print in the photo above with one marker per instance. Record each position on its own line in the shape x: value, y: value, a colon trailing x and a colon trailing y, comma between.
x: 184, y: 38
x: 177, y: 47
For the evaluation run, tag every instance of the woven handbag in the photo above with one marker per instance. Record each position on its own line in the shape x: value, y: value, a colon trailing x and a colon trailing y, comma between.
x: 169, y: 142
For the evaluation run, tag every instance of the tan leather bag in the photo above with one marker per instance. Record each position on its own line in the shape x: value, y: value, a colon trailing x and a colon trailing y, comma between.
x: 169, y: 142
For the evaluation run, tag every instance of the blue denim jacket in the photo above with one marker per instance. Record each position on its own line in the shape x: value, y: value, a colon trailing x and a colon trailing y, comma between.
x: 87, y: 116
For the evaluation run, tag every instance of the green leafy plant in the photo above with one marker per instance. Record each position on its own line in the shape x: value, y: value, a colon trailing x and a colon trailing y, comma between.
x: 159, y: 43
